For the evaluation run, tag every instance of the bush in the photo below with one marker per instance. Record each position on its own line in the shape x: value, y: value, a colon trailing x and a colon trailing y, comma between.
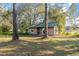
x: 7, y: 33
x: 75, y: 35
x: 5, y: 28
x: 67, y: 33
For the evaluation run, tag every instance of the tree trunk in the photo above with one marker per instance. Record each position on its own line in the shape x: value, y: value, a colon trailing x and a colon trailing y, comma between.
x: 15, y: 29
x: 46, y: 22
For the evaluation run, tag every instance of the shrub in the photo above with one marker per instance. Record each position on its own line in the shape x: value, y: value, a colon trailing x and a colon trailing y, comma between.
x: 5, y: 28
x: 66, y: 33
x: 20, y: 33
x: 75, y: 35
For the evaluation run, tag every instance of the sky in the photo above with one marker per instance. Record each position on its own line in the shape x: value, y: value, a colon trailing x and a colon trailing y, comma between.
x: 65, y: 6
x: 6, y: 5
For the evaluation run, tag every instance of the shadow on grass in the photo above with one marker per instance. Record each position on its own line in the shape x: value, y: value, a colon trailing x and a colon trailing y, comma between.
x: 41, y: 48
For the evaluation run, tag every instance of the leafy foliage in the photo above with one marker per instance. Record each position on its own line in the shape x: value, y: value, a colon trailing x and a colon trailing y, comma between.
x: 5, y: 28
x: 56, y: 14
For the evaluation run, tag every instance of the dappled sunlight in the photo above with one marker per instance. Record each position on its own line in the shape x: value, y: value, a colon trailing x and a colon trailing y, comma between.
x: 59, y: 47
x: 45, y: 52
x: 37, y: 46
x: 7, y: 50
x: 5, y: 39
x: 4, y: 49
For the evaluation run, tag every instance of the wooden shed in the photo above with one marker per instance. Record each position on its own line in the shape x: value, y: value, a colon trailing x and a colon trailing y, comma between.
x: 39, y: 29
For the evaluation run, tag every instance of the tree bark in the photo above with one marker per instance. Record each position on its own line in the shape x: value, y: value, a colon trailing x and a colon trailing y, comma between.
x: 15, y: 29
x: 46, y: 22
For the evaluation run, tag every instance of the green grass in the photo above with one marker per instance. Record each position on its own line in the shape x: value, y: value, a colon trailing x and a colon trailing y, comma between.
x: 33, y: 46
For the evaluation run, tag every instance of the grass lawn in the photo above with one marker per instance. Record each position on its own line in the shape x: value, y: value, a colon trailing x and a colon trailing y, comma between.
x: 34, y: 46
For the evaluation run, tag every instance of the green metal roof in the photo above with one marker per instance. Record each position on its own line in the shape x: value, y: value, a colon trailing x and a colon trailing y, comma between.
x: 42, y: 25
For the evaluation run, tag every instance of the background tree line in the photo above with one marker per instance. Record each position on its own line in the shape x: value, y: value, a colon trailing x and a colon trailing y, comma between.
x: 21, y: 16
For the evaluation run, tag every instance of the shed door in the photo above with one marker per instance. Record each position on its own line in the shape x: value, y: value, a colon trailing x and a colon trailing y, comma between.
x: 38, y: 31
